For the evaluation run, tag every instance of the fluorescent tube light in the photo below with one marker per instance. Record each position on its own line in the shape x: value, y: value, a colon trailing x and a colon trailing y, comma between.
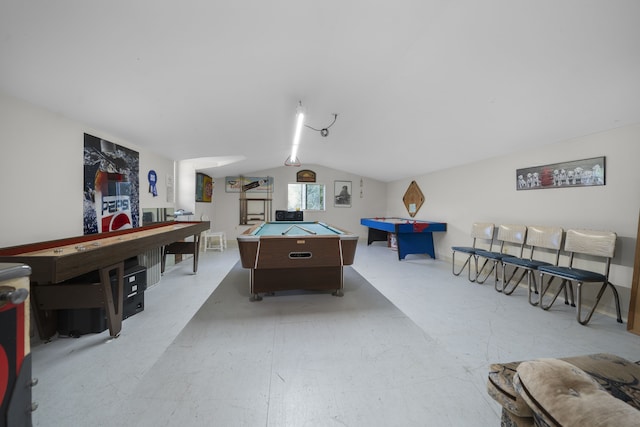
x: 293, y: 158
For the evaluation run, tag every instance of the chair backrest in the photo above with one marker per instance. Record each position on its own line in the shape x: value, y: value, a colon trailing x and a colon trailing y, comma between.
x: 482, y: 231
x: 545, y: 237
x: 514, y: 235
x: 539, y: 236
x: 590, y: 242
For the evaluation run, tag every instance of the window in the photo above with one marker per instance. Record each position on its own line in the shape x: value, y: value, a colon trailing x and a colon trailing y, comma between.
x: 306, y: 197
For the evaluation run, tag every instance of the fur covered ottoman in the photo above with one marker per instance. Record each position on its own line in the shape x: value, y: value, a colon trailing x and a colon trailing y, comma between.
x: 592, y: 390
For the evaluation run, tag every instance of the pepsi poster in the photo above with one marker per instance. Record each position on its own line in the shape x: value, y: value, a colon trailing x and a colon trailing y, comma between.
x: 111, y: 187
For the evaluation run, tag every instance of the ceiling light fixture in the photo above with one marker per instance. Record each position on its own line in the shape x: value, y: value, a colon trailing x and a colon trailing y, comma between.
x: 292, y: 160
x: 325, y: 131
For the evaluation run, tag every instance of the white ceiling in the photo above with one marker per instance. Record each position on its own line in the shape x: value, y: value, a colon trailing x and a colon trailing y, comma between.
x: 417, y: 85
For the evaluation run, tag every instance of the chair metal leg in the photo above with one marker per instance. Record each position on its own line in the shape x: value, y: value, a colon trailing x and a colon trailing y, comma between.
x: 596, y: 302
x: 466, y: 263
x: 505, y: 284
x: 479, y: 272
x: 617, y: 300
x: 566, y: 301
x: 496, y: 282
x: 531, y: 276
x: 544, y: 289
x: 495, y: 276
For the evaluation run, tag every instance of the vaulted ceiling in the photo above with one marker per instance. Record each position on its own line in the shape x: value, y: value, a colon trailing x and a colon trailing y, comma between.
x: 417, y: 85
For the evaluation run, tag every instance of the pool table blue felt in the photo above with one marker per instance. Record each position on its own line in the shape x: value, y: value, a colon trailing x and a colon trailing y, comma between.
x: 295, y: 228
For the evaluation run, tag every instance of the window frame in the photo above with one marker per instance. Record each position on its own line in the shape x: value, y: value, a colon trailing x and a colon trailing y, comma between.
x: 303, y: 193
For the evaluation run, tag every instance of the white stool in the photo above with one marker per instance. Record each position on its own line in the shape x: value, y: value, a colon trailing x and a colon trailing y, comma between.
x: 215, y: 240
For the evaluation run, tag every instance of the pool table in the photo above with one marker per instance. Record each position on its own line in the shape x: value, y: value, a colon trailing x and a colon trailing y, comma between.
x: 287, y: 255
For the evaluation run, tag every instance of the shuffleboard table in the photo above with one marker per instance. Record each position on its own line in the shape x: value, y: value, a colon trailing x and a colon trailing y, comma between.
x: 55, y: 263
x: 412, y: 236
x: 288, y: 255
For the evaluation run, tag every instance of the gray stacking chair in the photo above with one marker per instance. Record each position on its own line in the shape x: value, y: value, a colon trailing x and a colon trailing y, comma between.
x: 509, y: 236
x: 482, y: 235
x: 540, y: 240
x: 598, y: 246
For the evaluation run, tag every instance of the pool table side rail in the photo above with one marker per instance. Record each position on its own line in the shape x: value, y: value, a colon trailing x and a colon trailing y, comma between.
x: 248, y: 247
x: 248, y: 244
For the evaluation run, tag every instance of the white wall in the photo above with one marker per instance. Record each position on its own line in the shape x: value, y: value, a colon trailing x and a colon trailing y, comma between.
x: 485, y: 191
x: 41, y: 177
x: 164, y: 169
x: 186, y: 186
x: 41, y: 173
x: 225, y: 216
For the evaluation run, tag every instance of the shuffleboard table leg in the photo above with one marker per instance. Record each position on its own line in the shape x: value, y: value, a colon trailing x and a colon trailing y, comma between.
x: 46, y: 320
x: 163, y: 258
x: 196, y: 252
x: 113, y: 301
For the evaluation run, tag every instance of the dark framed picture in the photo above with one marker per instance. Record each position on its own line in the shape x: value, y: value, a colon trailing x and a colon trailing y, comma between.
x: 576, y: 173
x: 238, y: 184
x: 204, y: 188
x: 342, y: 194
x: 306, y: 175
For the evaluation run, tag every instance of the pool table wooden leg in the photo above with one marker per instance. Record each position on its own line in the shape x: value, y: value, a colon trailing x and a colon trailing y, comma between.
x: 340, y: 291
x: 254, y: 295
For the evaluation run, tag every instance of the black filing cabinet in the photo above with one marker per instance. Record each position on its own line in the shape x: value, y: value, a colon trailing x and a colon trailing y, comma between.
x: 81, y: 321
x: 135, y: 283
